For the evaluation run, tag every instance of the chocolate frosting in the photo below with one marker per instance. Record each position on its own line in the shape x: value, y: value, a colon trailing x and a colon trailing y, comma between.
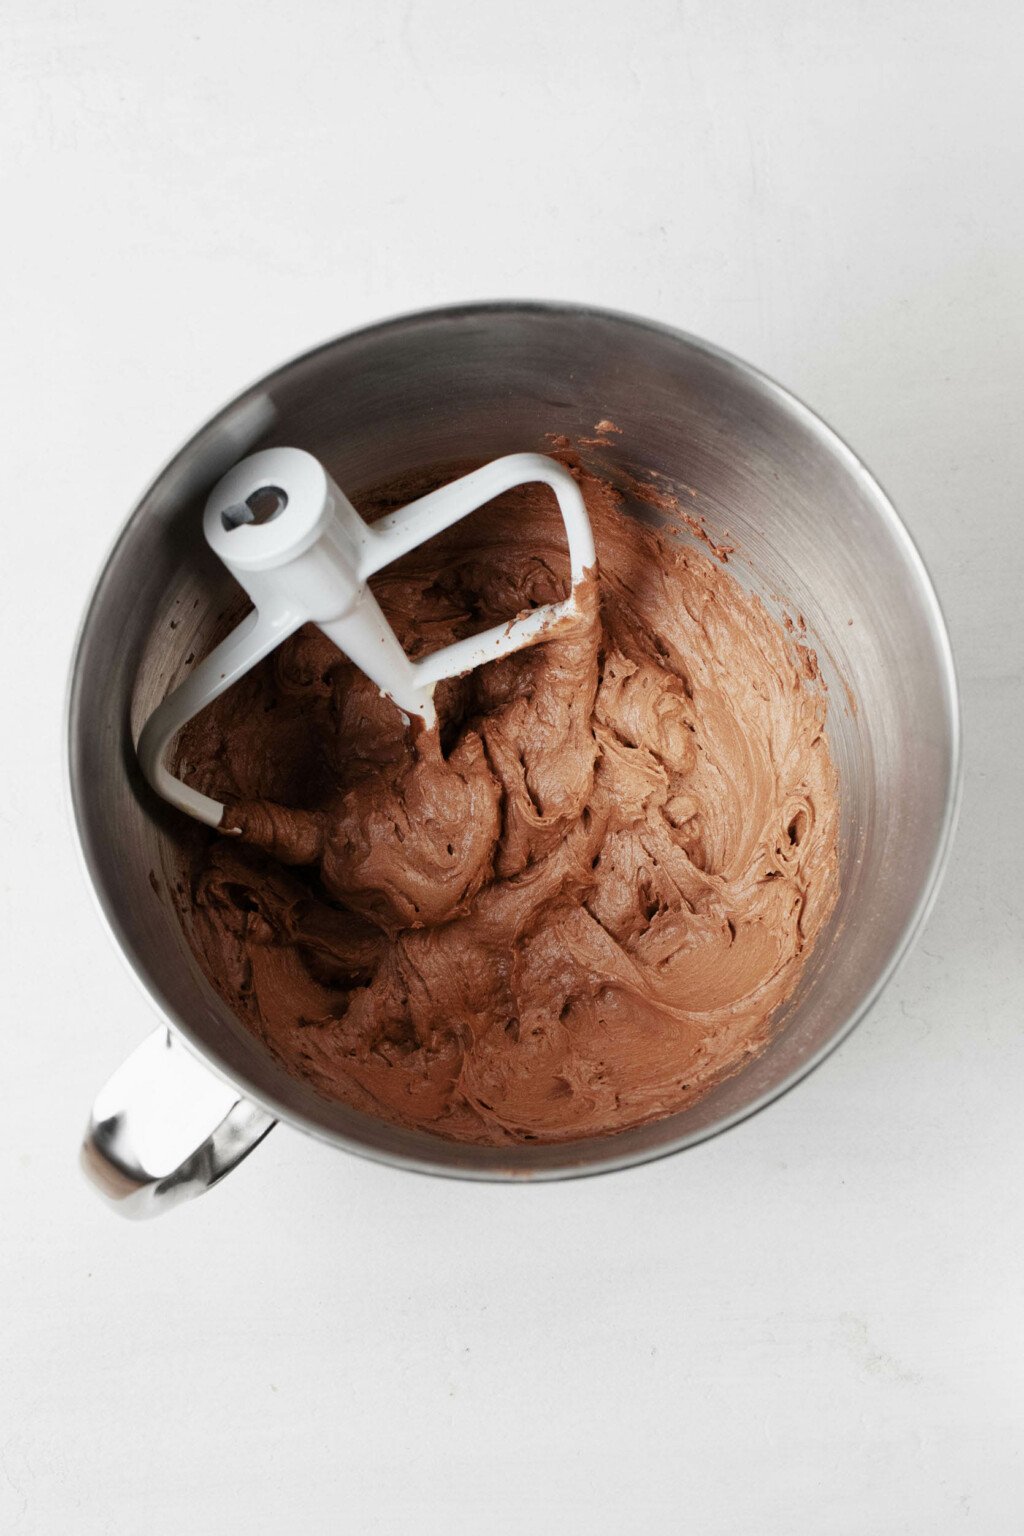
x: 572, y: 908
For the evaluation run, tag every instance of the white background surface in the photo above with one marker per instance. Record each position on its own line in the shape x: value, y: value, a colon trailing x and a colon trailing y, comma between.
x: 812, y: 1324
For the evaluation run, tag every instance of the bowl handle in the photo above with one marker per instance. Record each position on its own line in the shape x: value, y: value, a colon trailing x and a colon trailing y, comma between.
x: 164, y: 1129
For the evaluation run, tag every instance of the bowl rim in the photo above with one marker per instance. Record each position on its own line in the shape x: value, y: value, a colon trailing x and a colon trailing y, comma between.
x: 596, y: 1163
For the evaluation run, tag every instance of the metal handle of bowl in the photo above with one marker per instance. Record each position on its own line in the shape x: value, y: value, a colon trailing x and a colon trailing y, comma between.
x: 164, y: 1129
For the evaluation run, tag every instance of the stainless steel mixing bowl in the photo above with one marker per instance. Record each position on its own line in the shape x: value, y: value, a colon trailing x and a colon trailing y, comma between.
x: 815, y: 535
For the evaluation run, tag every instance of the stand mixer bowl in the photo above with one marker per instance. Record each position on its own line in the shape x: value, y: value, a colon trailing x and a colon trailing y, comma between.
x: 814, y: 535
